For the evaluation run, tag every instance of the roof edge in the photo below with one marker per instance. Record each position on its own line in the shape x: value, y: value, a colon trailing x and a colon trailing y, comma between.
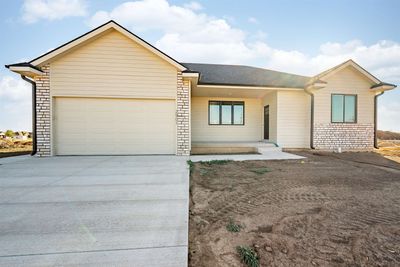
x: 25, y: 69
x: 246, y: 85
x: 67, y: 43
x: 112, y: 24
x: 384, y: 84
x: 22, y: 64
x: 382, y: 87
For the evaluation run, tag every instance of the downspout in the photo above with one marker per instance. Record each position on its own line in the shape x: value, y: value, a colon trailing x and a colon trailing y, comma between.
x: 311, y: 119
x: 376, y: 119
x: 34, y: 138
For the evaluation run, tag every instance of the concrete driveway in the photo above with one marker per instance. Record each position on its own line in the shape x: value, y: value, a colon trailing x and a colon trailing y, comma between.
x: 94, y: 211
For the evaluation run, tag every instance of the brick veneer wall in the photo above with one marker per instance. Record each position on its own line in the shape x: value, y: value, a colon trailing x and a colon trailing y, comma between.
x: 182, y: 117
x: 43, y: 118
x: 348, y: 136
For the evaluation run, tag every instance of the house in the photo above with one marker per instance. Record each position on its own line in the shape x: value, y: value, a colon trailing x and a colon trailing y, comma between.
x: 20, y: 136
x: 110, y: 92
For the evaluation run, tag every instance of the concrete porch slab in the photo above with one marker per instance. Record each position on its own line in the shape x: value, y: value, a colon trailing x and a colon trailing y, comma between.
x: 266, y: 155
x: 238, y: 147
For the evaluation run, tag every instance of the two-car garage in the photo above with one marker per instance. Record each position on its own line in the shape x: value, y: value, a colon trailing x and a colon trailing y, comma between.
x: 113, y: 126
x: 108, y: 92
x: 113, y: 95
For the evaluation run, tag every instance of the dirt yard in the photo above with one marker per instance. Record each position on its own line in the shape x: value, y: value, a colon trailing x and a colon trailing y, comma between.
x: 10, y: 148
x: 390, y: 149
x: 326, y: 210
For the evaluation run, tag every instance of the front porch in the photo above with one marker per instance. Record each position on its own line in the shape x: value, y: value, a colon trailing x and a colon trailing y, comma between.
x: 238, y: 151
x: 247, y: 120
x: 232, y: 120
x: 206, y: 148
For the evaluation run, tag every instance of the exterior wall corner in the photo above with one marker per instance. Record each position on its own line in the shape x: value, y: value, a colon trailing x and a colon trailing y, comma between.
x: 182, y: 116
x: 43, y: 114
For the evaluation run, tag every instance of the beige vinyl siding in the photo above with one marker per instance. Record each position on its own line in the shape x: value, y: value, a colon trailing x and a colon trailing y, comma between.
x: 346, y: 81
x: 100, y: 126
x: 113, y: 66
x: 293, y: 116
x: 271, y: 100
x: 250, y: 131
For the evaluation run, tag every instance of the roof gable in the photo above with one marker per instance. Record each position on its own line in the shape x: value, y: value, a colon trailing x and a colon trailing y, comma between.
x: 348, y: 78
x: 98, y: 32
x: 349, y: 63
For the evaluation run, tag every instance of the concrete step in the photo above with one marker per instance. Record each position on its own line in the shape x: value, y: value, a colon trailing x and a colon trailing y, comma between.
x: 265, y: 149
x: 204, y: 148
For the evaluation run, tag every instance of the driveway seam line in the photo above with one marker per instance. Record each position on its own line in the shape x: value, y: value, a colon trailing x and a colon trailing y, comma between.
x: 89, y: 251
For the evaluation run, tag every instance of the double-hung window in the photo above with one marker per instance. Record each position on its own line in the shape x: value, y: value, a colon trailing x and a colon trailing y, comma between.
x: 226, y: 113
x: 344, y: 108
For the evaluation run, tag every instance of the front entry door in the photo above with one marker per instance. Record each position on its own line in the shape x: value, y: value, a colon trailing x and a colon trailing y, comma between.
x: 266, y: 122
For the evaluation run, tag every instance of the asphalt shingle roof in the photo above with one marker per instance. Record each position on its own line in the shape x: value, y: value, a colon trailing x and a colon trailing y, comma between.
x: 217, y: 74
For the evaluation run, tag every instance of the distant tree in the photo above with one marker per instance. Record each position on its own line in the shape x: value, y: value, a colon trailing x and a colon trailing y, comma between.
x: 10, y: 133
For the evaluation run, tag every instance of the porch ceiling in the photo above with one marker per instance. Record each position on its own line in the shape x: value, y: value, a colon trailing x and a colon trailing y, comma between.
x: 234, y: 91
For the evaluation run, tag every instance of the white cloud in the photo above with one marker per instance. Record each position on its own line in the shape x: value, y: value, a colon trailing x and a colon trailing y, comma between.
x: 389, y: 116
x: 193, y: 6
x: 14, y: 89
x: 34, y: 10
x: 252, y: 20
x: 186, y: 34
x: 15, y: 104
x: 149, y: 15
x: 196, y: 36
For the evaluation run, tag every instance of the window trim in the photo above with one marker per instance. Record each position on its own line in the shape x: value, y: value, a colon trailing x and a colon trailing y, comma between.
x: 344, y: 108
x: 220, y: 103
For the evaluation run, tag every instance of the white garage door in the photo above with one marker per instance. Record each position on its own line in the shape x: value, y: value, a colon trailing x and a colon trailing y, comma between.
x: 95, y: 126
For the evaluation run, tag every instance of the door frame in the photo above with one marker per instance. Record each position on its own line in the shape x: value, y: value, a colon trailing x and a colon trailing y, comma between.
x: 266, y: 130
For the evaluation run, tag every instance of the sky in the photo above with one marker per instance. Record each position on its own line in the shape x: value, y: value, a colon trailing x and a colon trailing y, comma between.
x: 303, y: 37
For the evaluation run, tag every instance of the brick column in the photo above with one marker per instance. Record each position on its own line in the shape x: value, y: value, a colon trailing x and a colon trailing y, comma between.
x: 182, y: 117
x: 43, y: 117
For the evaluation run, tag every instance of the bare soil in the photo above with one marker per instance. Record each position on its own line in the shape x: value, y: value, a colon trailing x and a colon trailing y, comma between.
x: 390, y: 149
x: 11, y: 148
x: 326, y: 210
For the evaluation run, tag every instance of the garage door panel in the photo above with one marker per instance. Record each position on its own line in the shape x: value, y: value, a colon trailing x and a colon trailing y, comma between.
x: 89, y: 126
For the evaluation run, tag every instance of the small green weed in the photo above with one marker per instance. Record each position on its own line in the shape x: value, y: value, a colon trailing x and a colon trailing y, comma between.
x: 216, y: 162
x: 203, y: 172
x: 248, y: 256
x: 191, y: 166
x: 233, y: 227
x: 260, y: 170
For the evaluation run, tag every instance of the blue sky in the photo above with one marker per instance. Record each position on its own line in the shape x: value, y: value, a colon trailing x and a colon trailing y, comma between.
x: 303, y: 37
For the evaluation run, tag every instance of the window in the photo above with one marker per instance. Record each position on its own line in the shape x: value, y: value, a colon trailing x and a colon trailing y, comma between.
x: 213, y: 108
x: 225, y: 113
x: 344, y: 108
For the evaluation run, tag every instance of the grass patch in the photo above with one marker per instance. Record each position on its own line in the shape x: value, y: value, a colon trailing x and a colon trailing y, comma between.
x: 191, y: 166
x: 203, y: 172
x: 216, y: 162
x: 248, y: 256
x: 260, y: 170
x: 233, y: 227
